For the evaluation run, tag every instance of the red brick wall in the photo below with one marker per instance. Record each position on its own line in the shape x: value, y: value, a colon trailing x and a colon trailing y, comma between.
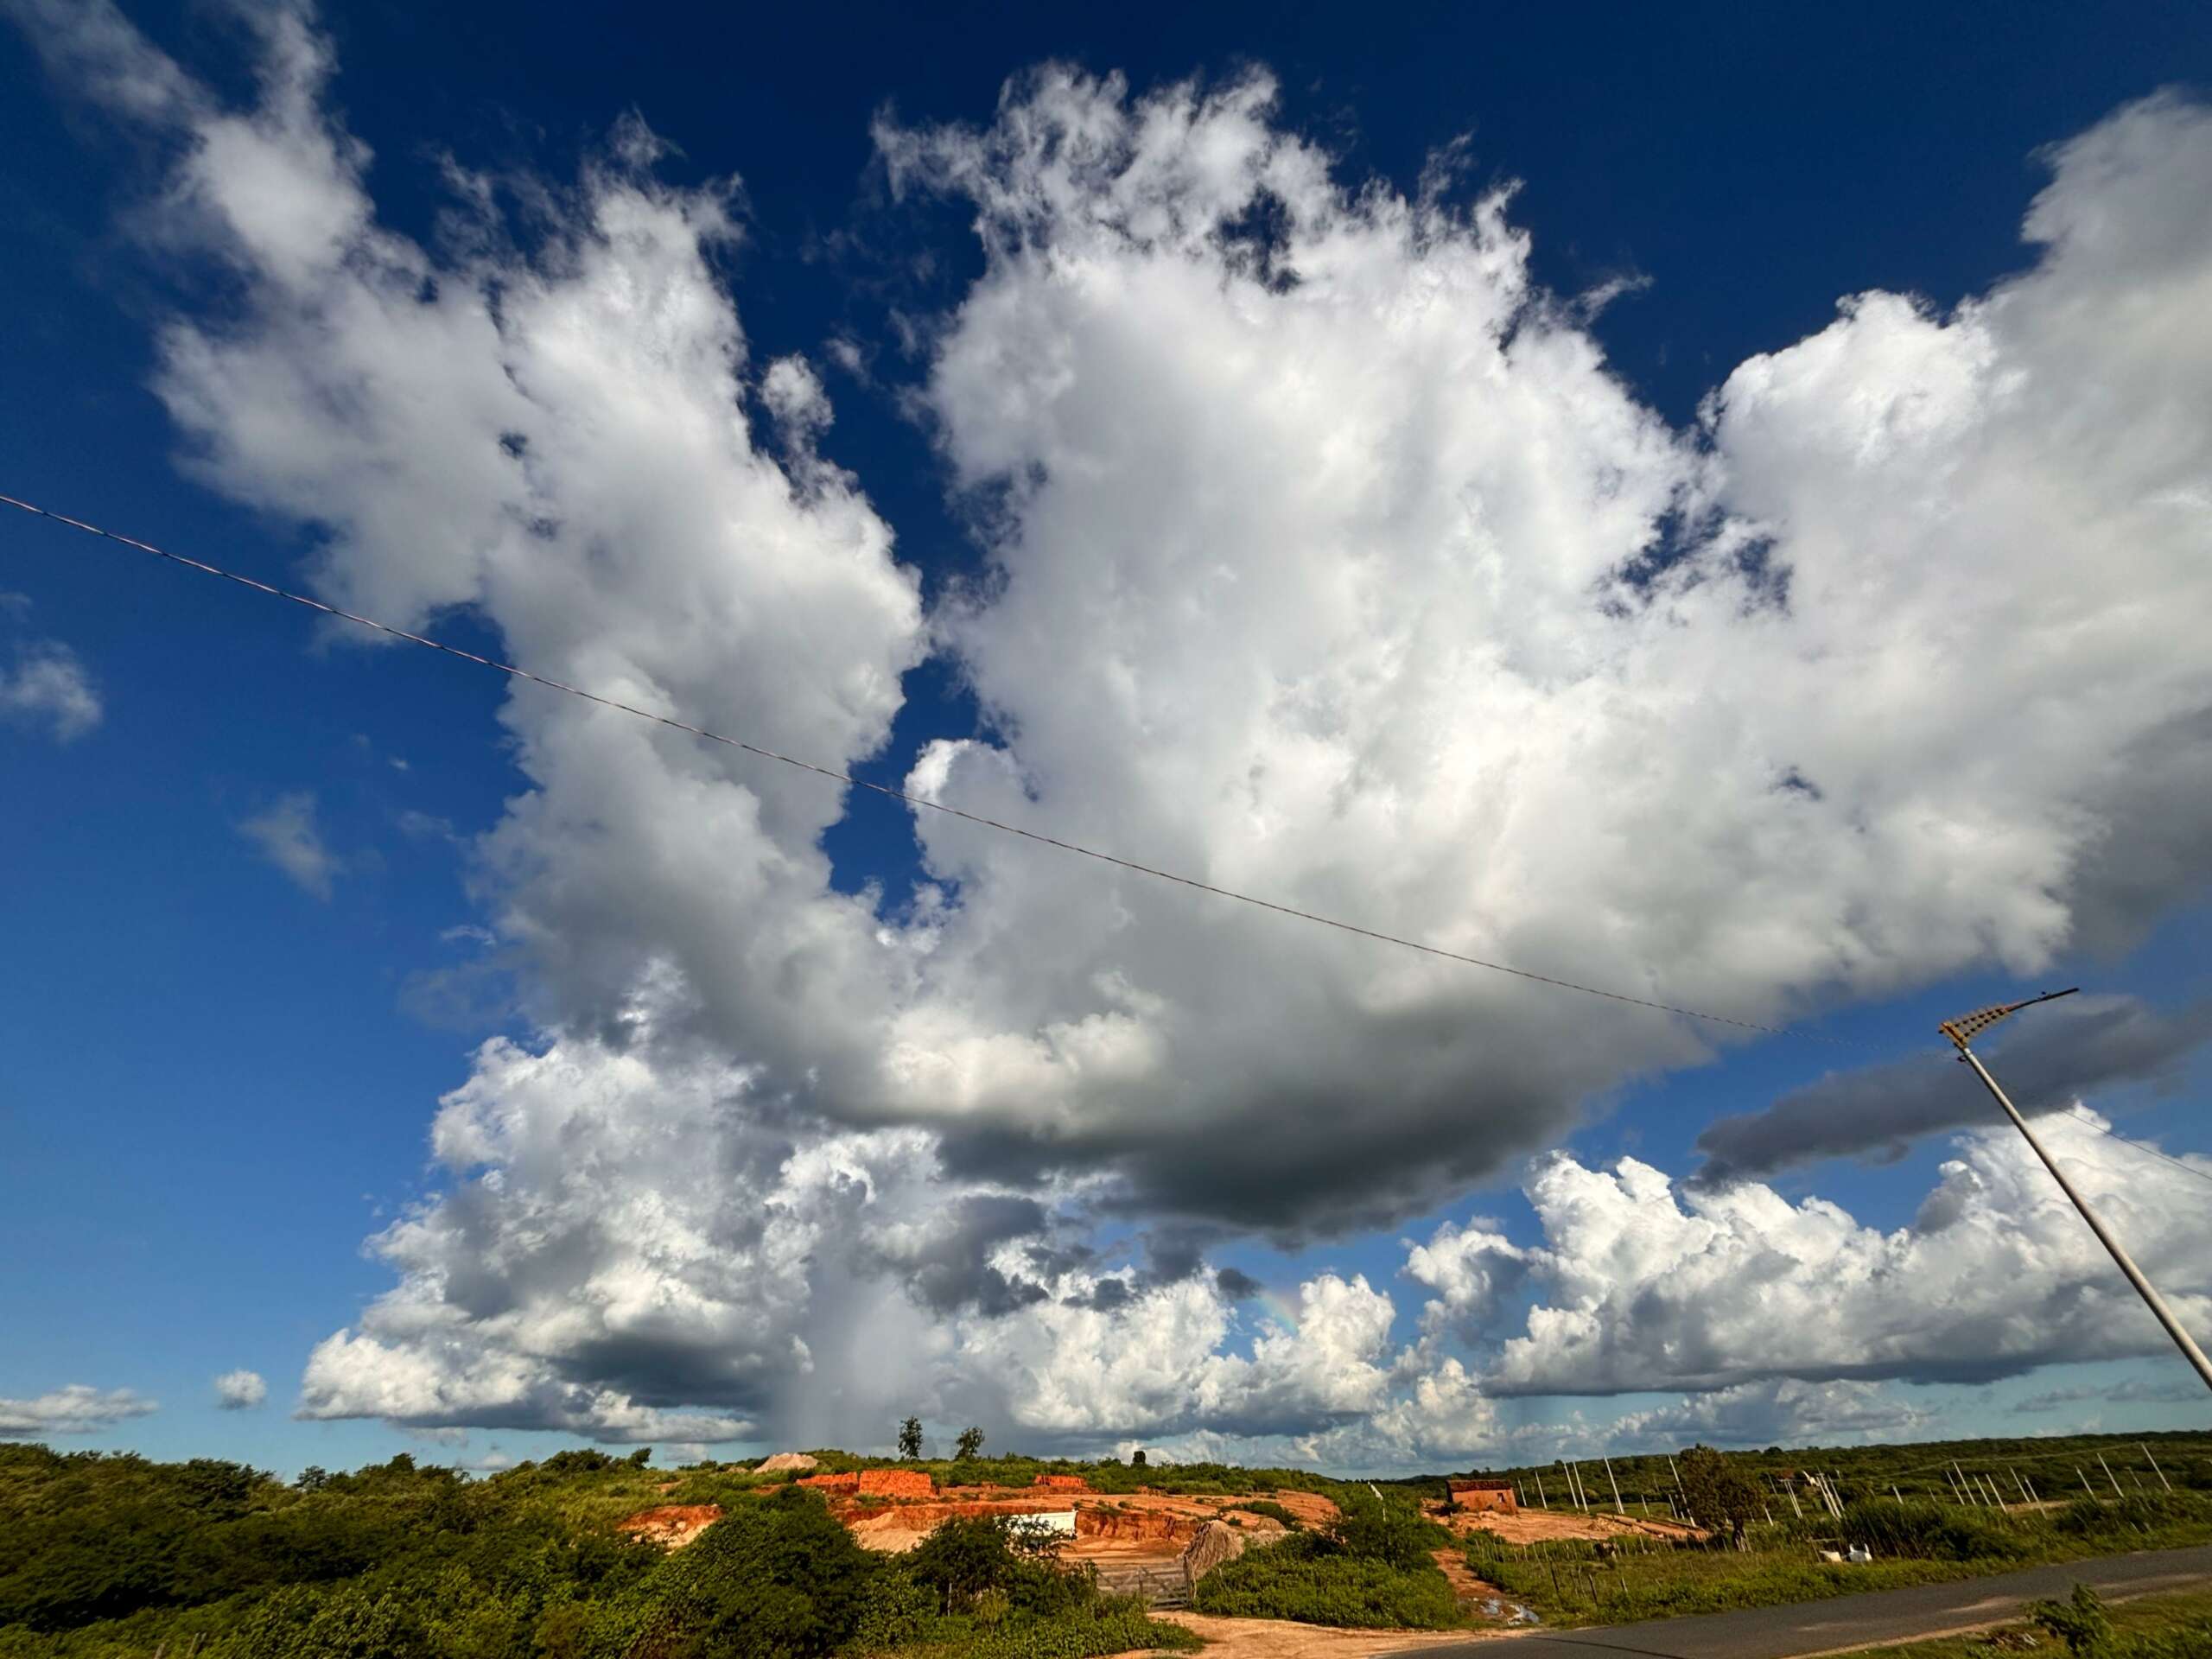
x: 1064, y: 1482
x: 1485, y: 1496
x: 832, y: 1483
x: 897, y: 1483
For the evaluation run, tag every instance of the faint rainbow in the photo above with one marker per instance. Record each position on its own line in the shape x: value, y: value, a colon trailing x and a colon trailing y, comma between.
x: 1281, y: 1308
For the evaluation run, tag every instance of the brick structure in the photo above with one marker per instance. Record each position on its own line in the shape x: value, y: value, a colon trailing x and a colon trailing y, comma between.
x: 844, y: 1484
x: 897, y: 1483
x: 1064, y: 1483
x: 1484, y: 1495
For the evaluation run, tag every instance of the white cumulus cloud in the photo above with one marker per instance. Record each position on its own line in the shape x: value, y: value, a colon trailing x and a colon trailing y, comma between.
x: 1327, y: 559
x: 76, y: 1409
x: 240, y: 1390
x: 1647, y: 1285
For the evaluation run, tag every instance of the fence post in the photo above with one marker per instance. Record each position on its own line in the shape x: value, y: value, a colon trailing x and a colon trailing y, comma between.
x: 2155, y: 1470
x: 2107, y: 1467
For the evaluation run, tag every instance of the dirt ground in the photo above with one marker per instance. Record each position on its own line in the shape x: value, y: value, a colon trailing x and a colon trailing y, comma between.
x: 1534, y: 1526
x: 1127, y: 1526
x: 1278, y: 1638
x: 673, y: 1524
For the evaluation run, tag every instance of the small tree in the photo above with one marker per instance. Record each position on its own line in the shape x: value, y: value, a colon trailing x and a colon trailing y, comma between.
x: 1720, y: 1497
x: 1136, y: 1459
x: 641, y: 1457
x: 969, y: 1446
x: 909, y: 1438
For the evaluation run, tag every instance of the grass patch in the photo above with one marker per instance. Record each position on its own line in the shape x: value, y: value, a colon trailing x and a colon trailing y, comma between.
x: 1571, y: 1582
x: 1112, y: 1624
x: 1290, y: 1582
x: 2169, y: 1627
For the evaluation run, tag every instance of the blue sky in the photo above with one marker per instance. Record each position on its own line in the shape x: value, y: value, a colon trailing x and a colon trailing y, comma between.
x: 271, y: 901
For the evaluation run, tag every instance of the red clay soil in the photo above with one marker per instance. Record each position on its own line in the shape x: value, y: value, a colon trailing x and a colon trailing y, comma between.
x: 1141, y: 1525
x: 897, y: 1483
x: 1064, y: 1483
x: 850, y: 1483
x: 673, y: 1524
x: 1133, y: 1526
x: 902, y: 1526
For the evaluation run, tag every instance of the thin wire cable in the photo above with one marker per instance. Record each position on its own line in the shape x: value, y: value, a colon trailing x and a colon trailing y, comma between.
x: 2076, y: 1113
x: 917, y: 801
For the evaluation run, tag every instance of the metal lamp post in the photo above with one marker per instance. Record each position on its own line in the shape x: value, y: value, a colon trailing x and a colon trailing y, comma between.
x: 1973, y: 1025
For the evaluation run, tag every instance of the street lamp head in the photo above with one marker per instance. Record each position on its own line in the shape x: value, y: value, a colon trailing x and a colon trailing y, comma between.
x: 1969, y: 1025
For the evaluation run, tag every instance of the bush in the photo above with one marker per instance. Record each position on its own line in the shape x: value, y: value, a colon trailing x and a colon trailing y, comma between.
x: 774, y: 1579
x: 970, y: 1558
x: 1392, y: 1531
x: 895, y: 1609
x: 2080, y: 1622
x: 1308, y: 1580
x: 1927, y: 1532
x: 1107, y: 1625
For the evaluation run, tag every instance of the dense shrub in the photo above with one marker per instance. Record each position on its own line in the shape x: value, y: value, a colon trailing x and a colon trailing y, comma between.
x: 2148, y: 1511
x: 1929, y: 1532
x: 2080, y: 1622
x: 896, y: 1608
x: 1305, y: 1578
x: 777, y: 1578
x: 1107, y: 1624
x: 1391, y: 1530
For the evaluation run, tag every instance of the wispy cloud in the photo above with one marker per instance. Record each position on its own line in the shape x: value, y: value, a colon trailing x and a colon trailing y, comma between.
x: 49, y: 687
x: 289, y: 838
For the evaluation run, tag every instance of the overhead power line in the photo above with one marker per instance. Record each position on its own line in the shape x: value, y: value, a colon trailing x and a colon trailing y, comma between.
x: 917, y: 801
x: 2076, y: 1113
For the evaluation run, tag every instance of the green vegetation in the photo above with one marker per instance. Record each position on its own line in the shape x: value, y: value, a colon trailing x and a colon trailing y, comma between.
x: 1373, y: 1566
x: 909, y: 1438
x: 1912, y: 1543
x: 107, y: 1556
x: 2154, y: 1627
x: 1272, y: 1511
x: 104, y: 1556
x: 2055, y: 1468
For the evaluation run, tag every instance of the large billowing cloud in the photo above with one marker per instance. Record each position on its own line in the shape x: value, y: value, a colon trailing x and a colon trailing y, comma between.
x: 1330, y: 565
x: 1326, y: 560
x: 1647, y: 1287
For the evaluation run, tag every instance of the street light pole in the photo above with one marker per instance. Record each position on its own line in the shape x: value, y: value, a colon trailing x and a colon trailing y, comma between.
x: 1959, y: 1030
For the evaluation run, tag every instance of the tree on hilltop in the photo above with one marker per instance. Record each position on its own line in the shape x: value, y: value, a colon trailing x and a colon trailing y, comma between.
x: 968, y: 1446
x: 909, y: 1438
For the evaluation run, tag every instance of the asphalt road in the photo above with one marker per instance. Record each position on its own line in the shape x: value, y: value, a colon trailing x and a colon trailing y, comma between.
x: 1847, y: 1622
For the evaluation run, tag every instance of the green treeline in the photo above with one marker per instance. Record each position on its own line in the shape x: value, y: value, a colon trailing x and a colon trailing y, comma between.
x: 109, y: 1555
